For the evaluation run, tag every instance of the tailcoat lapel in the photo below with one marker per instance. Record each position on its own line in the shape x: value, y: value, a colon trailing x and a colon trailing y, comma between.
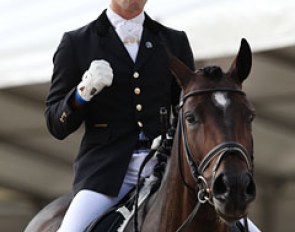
x: 149, y: 43
x: 147, y: 48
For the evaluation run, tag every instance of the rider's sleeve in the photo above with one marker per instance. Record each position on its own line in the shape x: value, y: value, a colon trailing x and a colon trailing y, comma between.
x: 62, y: 119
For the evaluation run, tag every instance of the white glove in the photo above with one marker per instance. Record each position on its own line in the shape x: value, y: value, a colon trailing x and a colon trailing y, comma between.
x: 98, y: 76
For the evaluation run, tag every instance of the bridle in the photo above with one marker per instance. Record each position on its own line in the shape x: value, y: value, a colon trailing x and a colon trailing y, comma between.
x: 204, y: 192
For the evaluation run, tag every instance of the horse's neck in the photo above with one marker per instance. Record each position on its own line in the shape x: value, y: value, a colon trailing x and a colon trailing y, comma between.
x: 174, y: 202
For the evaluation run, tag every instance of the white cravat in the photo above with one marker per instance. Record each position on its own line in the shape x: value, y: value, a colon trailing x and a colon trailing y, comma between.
x: 129, y: 31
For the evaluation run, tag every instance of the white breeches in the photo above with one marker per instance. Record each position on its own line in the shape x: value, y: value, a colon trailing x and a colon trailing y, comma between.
x: 88, y: 205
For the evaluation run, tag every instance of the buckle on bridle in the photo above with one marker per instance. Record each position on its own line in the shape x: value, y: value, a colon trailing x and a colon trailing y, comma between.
x: 204, y: 191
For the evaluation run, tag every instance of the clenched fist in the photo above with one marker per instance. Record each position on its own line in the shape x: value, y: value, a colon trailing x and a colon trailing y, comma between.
x: 98, y: 76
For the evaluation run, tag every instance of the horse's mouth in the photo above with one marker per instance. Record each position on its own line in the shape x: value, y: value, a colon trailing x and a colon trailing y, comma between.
x: 230, y: 219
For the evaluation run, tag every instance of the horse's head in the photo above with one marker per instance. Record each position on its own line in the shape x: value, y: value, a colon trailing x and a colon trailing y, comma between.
x: 215, y: 127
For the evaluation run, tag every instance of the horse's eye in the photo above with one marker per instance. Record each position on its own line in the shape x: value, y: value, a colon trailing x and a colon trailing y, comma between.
x: 190, y: 118
x: 252, y: 116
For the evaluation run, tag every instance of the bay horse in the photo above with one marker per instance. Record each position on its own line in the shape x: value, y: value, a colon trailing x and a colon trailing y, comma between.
x: 208, y: 184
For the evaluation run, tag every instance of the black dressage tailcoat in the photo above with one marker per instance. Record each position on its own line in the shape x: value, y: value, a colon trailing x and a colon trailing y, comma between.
x: 114, y: 117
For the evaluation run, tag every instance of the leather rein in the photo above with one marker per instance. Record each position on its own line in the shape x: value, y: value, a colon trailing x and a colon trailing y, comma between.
x: 203, y: 190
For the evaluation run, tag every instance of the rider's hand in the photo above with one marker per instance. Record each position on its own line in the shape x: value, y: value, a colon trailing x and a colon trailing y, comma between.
x: 98, y: 76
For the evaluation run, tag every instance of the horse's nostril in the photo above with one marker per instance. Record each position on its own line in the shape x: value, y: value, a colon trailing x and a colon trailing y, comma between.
x: 250, y: 190
x: 220, y: 187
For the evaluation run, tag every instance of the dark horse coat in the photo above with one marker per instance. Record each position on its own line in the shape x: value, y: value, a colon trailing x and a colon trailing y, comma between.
x: 112, y: 120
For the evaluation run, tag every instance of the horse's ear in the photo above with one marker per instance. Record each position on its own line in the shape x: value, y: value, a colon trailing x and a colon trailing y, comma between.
x: 182, y: 72
x: 242, y: 64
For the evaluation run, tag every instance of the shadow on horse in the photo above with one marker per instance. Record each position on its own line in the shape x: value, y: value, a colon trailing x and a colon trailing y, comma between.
x: 208, y: 183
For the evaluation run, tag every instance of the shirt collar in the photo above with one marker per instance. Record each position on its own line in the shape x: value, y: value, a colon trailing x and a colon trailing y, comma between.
x: 116, y: 19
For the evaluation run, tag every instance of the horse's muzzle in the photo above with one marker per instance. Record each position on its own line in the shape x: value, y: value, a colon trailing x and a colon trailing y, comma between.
x: 232, y: 194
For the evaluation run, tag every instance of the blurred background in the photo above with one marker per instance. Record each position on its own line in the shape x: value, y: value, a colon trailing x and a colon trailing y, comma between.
x: 35, y: 168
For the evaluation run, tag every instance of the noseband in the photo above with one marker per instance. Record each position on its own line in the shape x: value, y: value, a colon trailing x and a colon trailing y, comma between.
x: 203, y: 189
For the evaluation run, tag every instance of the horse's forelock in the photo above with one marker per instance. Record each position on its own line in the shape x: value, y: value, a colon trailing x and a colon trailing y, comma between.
x: 213, y: 72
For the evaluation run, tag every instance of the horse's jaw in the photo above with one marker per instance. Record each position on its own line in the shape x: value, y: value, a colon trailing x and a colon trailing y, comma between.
x: 229, y: 220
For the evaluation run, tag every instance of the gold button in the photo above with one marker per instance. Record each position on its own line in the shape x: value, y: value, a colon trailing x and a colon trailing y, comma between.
x: 137, y: 91
x: 140, y: 124
x: 139, y: 107
x: 135, y: 75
